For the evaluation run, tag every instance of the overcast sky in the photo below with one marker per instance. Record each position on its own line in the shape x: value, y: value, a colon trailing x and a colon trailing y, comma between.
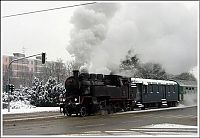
x: 165, y: 33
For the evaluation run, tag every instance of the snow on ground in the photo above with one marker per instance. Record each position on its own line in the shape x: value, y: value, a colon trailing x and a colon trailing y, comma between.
x: 21, y: 104
x: 26, y: 107
x: 149, y: 130
x: 170, y: 129
x: 30, y: 110
x: 166, y: 125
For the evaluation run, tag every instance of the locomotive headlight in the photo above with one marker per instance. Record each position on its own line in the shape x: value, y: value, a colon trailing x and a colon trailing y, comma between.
x: 75, y: 99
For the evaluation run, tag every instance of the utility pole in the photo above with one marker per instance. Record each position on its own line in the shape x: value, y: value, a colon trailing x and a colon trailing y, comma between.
x: 8, y: 90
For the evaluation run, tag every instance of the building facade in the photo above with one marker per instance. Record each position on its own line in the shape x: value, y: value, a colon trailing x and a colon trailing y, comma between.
x: 21, y: 70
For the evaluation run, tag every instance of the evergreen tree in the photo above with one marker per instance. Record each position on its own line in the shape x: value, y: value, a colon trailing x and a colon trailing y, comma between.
x: 48, y: 94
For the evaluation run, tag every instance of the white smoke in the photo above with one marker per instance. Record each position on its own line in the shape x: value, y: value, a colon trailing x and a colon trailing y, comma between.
x: 90, y: 29
x: 190, y: 99
x: 161, y: 33
x: 164, y: 33
x: 194, y: 71
x: 84, y: 68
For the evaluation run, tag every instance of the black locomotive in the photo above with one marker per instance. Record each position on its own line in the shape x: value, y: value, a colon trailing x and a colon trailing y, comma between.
x: 89, y: 93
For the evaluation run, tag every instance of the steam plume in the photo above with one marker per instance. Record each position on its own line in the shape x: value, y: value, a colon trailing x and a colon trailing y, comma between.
x: 90, y: 29
x: 164, y: 33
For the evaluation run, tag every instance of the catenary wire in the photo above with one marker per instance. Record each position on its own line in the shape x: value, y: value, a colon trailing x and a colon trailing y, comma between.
x: 48, y: 9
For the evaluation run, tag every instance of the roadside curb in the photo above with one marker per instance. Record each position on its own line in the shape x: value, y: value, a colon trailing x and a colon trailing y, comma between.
x: 33, y: 118
x: 154, y: 110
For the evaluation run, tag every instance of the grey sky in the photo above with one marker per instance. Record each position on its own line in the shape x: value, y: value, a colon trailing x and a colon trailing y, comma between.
x: 160, y: 32
x: 46, y: 31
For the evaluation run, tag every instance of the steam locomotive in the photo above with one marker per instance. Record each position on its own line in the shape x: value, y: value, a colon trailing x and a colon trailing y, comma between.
x: 89, y: 93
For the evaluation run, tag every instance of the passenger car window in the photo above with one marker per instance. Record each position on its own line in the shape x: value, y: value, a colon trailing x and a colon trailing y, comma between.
x: 150, y: 88
x: 172, y: 88
x: 145, y: 89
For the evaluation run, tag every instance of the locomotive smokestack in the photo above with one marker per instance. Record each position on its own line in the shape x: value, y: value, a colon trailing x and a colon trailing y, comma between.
x: 75, y: 73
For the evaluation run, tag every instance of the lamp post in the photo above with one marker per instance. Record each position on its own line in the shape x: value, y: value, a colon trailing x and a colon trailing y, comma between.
x: 8, y: 82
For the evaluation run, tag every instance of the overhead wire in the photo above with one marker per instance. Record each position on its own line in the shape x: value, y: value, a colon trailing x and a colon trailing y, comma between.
x: 83, y: 4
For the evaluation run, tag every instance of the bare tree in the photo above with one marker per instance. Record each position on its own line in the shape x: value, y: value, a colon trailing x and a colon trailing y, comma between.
x: 54, y: 69
x: 152, y: 71
x: 70, y: 66
x: 130, y: 64
x: 184, y: 76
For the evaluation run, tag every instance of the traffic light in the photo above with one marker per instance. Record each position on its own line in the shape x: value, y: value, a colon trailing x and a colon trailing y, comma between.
x: 7, y: 87
x: 11, y: 87
x: 43, y: 58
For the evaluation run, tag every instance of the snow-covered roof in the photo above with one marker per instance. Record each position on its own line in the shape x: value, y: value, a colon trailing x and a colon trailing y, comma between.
x: 152, y: 81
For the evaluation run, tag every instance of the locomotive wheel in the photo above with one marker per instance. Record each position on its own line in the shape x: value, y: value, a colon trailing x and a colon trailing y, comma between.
x: 109, y: 109
x: 128, y: 108
x: 64, y: 111
x: 83, y: 112
x: 69, y: 114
